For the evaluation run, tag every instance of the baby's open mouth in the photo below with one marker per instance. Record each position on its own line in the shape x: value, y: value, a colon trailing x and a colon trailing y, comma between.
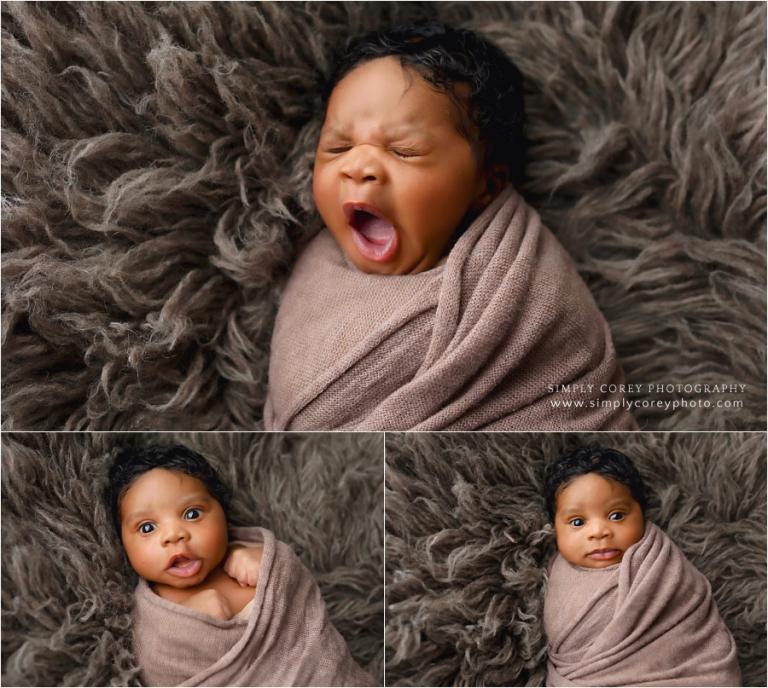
x: 184, y: 566
x: 374, y: 235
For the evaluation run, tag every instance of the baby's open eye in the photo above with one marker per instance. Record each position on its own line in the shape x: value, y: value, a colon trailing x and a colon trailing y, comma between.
x: 576, y: 522
x: 146, y: 528
x: 192, y: 514
x: 616, y: 516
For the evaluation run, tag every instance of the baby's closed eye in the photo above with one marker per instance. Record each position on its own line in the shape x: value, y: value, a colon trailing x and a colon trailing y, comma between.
x: 405, y: 152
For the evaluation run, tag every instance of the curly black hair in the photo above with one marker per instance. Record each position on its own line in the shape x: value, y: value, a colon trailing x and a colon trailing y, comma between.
x: 603, y: 461
x: 445, y: 57
x: 132, y: 462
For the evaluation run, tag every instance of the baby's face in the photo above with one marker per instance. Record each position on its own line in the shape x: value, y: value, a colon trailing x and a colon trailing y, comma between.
x: 174, y: 532
x: 596, y: 521
x: 393, y: 176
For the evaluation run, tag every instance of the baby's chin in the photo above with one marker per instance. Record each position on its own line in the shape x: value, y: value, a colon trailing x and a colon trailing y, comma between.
x: 187, y: 583
x: 379, y: 269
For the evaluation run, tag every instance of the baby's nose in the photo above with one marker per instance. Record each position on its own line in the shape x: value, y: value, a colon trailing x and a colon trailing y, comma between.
x: 175, y: 535
x: 363, y: 165
x: 600, y: 529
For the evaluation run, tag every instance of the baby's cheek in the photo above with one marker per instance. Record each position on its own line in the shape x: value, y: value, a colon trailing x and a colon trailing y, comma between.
x: 217, y: 541
x: 142, y: 562
x: 438, y: 207
x: 323, y: 191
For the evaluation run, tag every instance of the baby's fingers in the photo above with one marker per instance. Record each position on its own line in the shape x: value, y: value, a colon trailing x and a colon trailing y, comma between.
x: 239, y: 573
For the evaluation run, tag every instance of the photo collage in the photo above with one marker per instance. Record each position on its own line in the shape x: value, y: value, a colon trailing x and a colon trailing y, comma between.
x: 383, y: 344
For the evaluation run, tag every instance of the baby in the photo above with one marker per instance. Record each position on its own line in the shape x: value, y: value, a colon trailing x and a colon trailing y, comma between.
x: 211, y: 609
x: 623, y: 605
x: 435, y: 299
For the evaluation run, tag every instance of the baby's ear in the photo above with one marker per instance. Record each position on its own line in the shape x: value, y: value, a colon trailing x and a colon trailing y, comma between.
x: 497, y: 176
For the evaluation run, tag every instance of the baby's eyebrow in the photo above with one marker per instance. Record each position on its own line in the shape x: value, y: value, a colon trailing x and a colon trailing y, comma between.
x: 333, y: 130
x: 619, y: 500
x: 407, y: 130
x: 610, y: 504
x: 135, y: 516
x: 571, y: 511
x: 195, y: 497
x: 391, y: 133
x: 199, y: 497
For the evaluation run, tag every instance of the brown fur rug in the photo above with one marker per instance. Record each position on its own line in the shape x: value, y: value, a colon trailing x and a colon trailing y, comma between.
x: 67, y: 587
x: 468, y: 543
x: 156, y: 189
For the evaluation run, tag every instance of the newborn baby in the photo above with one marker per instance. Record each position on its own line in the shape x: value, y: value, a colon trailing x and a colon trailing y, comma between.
x: 623, y: 605
x: 435, y: 299
x: 211, y: 610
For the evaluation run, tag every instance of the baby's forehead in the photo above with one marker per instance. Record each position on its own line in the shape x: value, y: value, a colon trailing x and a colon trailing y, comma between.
x: 337, y: 124
x: 162, y: 481
x: 397, y: 95
x: 592, y: 487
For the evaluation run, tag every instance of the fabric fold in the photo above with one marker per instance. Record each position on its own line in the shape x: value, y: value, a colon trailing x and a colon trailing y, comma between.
x: 485, y: 340
x: 287, y: 640
x: 650, y: 620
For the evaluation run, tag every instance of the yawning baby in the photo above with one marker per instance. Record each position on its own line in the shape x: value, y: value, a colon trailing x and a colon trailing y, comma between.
x: 435, y: 299
x: 210, y: 610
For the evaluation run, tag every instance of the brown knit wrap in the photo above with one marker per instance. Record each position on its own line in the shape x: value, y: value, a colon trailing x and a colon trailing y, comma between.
x: 288, y: 639
x: 647, y: 621
x: 474, y: 343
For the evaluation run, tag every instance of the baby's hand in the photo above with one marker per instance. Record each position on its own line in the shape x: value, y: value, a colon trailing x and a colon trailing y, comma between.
x: 210, y: 602
x: 244, y: 564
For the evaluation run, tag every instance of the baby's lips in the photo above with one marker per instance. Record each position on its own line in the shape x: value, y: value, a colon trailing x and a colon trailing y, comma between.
x: 349, y: 208
x: 185, y: 568
x: 606, y: 553
x: 184, y: 565
x: 179, y: 557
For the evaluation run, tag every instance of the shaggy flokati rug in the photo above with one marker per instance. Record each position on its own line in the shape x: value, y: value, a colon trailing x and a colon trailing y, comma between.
x: 67, y: 589
x: 468, y: 544
x: 156, y: 190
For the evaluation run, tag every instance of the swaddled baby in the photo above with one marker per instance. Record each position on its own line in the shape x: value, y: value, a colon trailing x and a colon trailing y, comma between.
x: 623, y: 605
x: 215, y: 605
x: 435, y: 299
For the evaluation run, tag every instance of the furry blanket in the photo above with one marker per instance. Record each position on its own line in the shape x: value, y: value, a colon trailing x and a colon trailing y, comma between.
x: 156, y: 166
x: 287, y: 639
x: 476, y: 343
x: 468, y: 545
x: 648, y: 621
x: 67, y: 589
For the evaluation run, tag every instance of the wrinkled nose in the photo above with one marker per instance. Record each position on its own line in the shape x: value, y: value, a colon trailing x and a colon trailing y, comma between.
x: 362, y: 165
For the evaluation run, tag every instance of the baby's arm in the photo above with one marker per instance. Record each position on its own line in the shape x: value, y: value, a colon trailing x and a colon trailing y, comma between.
x: 244, y: 564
